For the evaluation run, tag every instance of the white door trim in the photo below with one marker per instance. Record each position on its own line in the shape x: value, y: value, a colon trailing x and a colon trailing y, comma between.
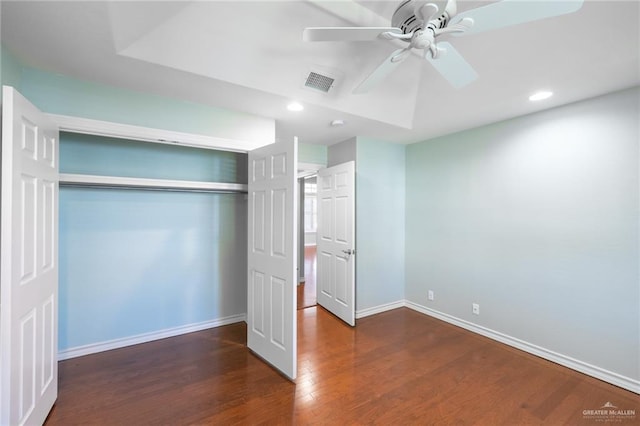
x: 89, y: 126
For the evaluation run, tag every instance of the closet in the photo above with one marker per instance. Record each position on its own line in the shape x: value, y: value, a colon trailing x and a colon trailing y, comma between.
x: 112, y: 242
x: 152, y: 240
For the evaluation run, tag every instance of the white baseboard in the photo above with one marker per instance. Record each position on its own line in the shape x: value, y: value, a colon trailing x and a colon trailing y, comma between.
x: 564, y: 360
x: 378, y: 309
x: 146, y: 337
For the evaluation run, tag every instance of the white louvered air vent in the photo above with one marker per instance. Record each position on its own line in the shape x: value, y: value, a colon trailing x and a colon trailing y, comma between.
x: 319, y: 82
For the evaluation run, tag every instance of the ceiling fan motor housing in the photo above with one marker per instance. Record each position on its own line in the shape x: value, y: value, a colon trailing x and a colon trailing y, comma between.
x: 404, y: 17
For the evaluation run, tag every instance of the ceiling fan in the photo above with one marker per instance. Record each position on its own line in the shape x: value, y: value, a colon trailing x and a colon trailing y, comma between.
x: 420, y: 24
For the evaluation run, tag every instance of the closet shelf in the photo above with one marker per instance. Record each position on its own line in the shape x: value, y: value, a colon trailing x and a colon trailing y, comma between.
x: 95, y: 181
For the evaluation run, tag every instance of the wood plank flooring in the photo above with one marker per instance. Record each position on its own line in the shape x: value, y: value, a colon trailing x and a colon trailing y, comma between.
x: 399, y: 367
x: 307, y: 290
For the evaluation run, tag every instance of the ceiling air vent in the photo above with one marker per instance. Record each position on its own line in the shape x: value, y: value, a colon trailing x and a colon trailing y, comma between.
x: 319, y: 82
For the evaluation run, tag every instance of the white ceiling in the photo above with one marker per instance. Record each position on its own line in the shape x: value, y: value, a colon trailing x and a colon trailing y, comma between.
x: 249, y: 56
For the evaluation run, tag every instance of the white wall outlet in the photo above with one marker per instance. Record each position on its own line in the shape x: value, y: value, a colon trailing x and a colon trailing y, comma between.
x: 430, y: 295
x: 475, y: 308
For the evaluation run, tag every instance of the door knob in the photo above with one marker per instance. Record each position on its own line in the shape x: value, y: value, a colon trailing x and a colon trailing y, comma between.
x: 349, y: 252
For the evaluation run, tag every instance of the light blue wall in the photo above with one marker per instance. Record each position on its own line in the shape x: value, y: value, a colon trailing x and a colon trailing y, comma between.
x: 134, y: 262
x: 535, y: 219
x: 309, y: 153
x: 380, y: 201
x: 97, y: 155
x: 59, y: 94
x: 10, y: 69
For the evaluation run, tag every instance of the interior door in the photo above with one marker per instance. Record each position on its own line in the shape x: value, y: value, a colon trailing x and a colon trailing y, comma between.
x: 28, y: 263
x: 272, y: 275
x: 336, y: 241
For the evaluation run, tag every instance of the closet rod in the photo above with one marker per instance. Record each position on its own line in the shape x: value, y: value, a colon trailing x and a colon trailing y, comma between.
x: 147, y: 188
x: 117, y: 182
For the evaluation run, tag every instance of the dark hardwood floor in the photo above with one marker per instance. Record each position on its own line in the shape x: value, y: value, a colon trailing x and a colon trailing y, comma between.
x: 399, y: 367
x: 307, y: 290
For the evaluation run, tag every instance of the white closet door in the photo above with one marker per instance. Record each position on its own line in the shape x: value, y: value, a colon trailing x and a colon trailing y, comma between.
x: 336, y: 241
x: 29, y: 263
x: 272, y: 277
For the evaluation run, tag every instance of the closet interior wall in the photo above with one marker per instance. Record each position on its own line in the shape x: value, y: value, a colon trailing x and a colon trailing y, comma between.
x: 138, y: 264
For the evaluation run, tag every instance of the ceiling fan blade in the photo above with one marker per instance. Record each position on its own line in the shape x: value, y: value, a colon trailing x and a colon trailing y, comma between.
x: 512, y: 12
x: 453, y: 67
x: 346, y: 33
x: 383, y: 70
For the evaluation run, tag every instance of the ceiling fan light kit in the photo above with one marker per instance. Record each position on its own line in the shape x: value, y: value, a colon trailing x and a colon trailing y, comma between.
x: 421, y: 23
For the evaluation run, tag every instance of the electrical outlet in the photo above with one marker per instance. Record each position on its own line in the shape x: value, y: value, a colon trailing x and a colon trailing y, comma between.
x: 430, y: 295
x: 475, y: 308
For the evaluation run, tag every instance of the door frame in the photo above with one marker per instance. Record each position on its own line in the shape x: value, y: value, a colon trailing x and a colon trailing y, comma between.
x: 305, y: 170
x: 72, y: 124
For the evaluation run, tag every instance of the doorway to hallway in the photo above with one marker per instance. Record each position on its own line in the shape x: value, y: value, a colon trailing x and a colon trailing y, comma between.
x: 307, y: 289
x: 307, y: 296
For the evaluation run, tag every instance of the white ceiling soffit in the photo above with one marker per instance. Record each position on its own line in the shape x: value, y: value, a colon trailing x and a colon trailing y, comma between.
x: 131, y: 20
x: 593, y: 51
x: 211, y: 40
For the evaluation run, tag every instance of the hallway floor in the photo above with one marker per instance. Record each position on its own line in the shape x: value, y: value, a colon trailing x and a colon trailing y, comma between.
x: 307, y: 289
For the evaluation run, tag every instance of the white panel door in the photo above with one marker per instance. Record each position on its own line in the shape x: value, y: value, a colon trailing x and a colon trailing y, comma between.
x: 336, y: 241
x: 272, y: 274
x: 29, y: 263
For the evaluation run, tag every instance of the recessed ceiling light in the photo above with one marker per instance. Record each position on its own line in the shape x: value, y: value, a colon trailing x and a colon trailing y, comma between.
x: 538, y: 96
x: 295, y: 106
x: 337, y: 123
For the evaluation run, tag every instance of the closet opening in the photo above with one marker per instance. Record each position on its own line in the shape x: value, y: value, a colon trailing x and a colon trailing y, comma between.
x: 152, y: 241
